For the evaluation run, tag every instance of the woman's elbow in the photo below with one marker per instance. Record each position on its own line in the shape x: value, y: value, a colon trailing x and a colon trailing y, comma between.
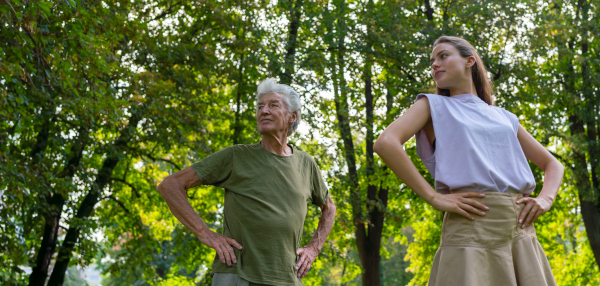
x: 554, y: 166
x: 382, y: 143
x: 379, y: 145
x: 560, y: 167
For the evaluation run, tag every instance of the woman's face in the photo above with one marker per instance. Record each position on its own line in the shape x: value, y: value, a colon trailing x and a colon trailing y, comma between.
x: 448, y: 68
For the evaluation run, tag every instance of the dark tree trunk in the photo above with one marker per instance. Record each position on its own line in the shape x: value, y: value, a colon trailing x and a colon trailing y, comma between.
x: 39, y: 273
x: 428, y: 10
x: 342, y: 113
x: 370, y: 255
x: 41, y: 142
x: 89, y: 202
x: 591, y: 219
x: 589, y: 197
x: 295, y: 13
x: 368, y: 237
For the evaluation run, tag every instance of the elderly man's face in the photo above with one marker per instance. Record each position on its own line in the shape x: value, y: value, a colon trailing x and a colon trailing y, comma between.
x: 272, y: 114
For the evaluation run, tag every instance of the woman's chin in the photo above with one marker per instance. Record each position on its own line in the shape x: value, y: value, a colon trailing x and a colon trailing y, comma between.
x: 444, y: 86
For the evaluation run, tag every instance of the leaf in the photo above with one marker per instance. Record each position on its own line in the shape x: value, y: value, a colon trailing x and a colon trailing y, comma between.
x: 45, y: 6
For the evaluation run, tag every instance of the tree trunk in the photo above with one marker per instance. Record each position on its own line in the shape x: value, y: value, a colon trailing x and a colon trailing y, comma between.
x: 39, y: 273
x: 589, y: 197
x: 295, y: 13
x: 591, y: 219
x: 342, y: 113
x: 41, y: 142
x: 370, y: 255
x: 89, y: 202
x: 428, y: 11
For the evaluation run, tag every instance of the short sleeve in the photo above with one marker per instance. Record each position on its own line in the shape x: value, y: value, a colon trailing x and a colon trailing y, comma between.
x: 425, y: 149
x: 318, y: 190
x: 216, y: 169
x: 514, y: 120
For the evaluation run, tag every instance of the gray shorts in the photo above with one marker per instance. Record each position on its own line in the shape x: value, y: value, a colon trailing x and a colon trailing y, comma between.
x: 231, y: 279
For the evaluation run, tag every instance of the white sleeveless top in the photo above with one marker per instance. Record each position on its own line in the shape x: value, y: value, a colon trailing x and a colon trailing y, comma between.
x: 476, y: 147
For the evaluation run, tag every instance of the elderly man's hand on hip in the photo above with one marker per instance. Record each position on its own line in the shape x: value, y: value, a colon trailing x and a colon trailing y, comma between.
x: 307, y: 254
x: 221, y: 244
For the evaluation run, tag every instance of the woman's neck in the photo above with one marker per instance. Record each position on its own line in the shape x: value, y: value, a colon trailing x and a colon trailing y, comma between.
x: 465, y: 89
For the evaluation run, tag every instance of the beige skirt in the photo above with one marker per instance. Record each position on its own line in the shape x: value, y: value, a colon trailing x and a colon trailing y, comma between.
x: 491, y: 250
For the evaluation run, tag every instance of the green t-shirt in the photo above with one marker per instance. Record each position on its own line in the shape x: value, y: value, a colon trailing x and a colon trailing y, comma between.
x: 265, y: 205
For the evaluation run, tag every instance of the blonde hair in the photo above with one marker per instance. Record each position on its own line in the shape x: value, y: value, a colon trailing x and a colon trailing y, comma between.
x: 483, y: 84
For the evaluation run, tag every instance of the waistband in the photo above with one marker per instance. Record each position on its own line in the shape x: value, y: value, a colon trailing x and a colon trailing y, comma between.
x: 509, y: 192
x: 498, y: 226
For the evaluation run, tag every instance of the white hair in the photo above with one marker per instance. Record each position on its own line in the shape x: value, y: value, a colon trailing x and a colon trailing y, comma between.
x: 291, y: 97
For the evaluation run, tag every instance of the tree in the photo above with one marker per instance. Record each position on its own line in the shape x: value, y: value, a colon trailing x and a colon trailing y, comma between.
x: 560, y: 74
x: 100, y: 101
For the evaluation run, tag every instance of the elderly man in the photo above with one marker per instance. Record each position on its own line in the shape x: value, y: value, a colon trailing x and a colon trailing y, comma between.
x: 267, y: 185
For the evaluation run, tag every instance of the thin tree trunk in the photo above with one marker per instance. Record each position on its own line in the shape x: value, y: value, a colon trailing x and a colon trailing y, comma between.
x: 342, y: 113
x: 89, y: 202
x: 41, y: 142
x: 39, y: 272
x: 295, y: 13
x: 370, y: 256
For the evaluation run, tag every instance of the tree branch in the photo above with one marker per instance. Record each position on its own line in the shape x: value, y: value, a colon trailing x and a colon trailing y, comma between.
x: 154, y: 158
x: 164, y: 160
x: 111, y: 197
x: 166, y: 12
x: 137, y: 194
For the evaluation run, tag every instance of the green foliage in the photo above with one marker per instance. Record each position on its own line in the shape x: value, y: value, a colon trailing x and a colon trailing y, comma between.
x: 157, y: 85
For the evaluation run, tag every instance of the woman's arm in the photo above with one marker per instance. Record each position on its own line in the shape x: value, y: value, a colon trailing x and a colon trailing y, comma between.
x: 390, y: 148
x: 553, y: 174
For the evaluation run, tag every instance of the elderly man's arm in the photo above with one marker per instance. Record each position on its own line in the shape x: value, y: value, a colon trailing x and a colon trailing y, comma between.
x: 172, y: 189
x: 309, y: 253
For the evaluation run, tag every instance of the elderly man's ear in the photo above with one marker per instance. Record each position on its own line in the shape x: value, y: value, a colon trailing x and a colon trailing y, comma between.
x: 293, y: 116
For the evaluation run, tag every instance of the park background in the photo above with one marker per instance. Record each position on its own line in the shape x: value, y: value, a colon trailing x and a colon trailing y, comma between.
x: 100, y: 100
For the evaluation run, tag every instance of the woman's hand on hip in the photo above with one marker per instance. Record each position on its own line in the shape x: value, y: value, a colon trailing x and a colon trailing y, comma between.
x: 460, y: 203
x: 534, y: 207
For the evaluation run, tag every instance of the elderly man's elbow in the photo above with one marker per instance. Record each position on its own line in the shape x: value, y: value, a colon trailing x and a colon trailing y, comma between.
x: 331, y: 206
x: 162, y: 187
x: 328, y: 206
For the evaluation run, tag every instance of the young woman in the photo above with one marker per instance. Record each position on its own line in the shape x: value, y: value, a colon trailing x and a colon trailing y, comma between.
x: 478, y: 155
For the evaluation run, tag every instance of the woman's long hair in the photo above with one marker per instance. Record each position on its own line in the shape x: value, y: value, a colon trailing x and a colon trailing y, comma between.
x: 483, y: 85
